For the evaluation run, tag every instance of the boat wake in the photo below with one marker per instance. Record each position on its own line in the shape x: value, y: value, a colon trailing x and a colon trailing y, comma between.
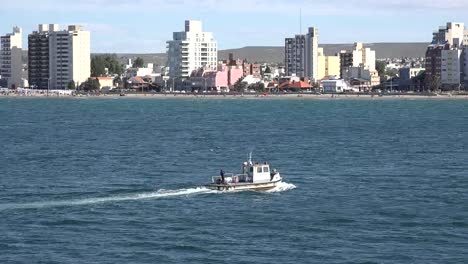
x: 88, y: 201
x: 282, y: 187
x: 132, y: 197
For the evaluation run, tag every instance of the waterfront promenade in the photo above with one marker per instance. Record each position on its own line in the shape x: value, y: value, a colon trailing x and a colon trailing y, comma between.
x: 260, y: 96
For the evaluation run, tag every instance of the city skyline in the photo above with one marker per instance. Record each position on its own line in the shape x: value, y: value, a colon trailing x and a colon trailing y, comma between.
x: 144, y: 26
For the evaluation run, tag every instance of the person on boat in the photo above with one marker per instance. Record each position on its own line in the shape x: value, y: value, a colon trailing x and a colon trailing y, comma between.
x: 222, y: 176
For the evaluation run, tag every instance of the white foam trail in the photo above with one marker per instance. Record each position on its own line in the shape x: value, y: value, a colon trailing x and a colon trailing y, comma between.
x: 282, y: 187
x: 142, y: 196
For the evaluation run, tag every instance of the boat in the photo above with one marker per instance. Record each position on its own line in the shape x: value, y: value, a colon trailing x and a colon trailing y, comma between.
x: 254, y: 176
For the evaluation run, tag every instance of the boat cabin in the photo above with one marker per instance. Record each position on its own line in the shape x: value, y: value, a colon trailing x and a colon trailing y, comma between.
x: 251, y: 173
x: 257, y: 172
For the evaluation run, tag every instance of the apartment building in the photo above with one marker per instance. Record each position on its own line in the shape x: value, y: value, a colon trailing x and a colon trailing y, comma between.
x: 451, y: 68
x: 453, y: 33
x: 38, y: 56
x: 69, y: 57
x: 191, y: 50
x: 327, y: 65
x: 359, y: 63
x: 301, y: 54
x: 58, y: 57
x: 433, y: 64
x: 11, y: 65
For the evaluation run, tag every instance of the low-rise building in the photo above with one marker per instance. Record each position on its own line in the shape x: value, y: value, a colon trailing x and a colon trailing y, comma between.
x: 407, y: 75
x: 140, y: 72
x: 335, y: 86
x: 105, y: 82
x: 361, y: 73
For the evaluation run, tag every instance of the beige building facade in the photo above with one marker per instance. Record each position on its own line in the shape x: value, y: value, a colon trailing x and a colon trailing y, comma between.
x: 69, y: 57
x: 327, y: 65
x: 11, y: 65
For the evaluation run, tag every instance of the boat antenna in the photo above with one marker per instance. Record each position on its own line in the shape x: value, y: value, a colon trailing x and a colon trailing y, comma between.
x: 250, y: 157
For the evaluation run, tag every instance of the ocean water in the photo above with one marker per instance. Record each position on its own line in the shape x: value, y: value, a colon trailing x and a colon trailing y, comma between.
x: 121, y: 181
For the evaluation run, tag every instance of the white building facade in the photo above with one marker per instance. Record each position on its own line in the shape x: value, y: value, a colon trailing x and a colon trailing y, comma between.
x: 359, y: 63
x: 301, y: 55
x: 335, y: 86
x: 11, y: 65
x: 453, y: 33
x: 69, y: 57
x: 364, y: 57
x: 451, y: 68
x: 465, y: 66
x: 191, y: 50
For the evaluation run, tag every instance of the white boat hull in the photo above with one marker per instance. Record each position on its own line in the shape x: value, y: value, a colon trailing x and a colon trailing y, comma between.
x: 260, y: 186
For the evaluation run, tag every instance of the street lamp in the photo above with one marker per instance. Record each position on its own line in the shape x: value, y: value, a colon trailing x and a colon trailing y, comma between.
x: 48, y: 86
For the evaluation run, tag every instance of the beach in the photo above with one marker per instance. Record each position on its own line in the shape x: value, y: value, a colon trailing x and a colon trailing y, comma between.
x: 305, y: 96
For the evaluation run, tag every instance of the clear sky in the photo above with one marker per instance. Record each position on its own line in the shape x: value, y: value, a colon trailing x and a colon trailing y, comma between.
x: 143, y: 26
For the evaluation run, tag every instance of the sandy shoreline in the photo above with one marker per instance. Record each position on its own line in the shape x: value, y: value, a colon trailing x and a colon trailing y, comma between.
x: 249, y: 96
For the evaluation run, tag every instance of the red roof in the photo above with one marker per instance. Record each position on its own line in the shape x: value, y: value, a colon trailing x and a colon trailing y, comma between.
x: 138, y: 79
x: 295, y: 85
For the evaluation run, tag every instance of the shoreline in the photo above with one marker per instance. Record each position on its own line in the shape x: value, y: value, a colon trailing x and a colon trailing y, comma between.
x: 245, y: 97
x: 163, y: 96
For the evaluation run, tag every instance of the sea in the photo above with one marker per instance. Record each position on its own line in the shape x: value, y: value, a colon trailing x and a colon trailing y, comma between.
x: 122, y: 181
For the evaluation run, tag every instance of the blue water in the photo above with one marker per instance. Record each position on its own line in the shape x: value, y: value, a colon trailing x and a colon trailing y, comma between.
x: 120, y: 181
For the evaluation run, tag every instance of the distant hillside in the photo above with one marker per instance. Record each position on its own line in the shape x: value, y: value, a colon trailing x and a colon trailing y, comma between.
x: 276, y: 54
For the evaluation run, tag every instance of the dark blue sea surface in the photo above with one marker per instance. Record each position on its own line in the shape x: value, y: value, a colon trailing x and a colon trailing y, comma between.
x: 121, y: 181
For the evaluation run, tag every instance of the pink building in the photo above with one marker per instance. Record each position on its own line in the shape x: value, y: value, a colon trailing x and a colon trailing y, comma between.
x: 224, y: 77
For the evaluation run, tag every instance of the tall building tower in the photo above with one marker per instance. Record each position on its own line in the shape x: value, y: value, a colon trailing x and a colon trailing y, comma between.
x: 69, y: 57
x: 11, y: 58
x: 38, y: 56
x: 57, y: 57
x: 301, y: 54
x: 312, y: 53
x: 445, y: 58
x: 295, y: 56
x: 453, y: 33
x: 191, y: 50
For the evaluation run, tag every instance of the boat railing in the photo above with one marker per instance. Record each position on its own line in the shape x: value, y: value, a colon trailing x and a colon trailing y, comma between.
x: 231, y: 178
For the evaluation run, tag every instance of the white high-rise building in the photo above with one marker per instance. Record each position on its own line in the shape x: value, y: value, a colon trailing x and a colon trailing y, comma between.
x: 11, y: 65
x: 465, y: 64
x: 191, y: 50
x: 69, y: 57
x: 364, y: 57
x: 301, y: 54
x: 451, y: 68
x: 453, y: 33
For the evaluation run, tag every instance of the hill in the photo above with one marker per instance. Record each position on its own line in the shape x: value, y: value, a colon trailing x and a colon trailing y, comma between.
x: 276, y: 54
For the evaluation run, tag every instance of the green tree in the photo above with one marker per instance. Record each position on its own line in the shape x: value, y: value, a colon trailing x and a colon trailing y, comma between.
x: 391, y: 72
x: 71, y: 85
x: 91, y: 85
x: 117, y: 81
x: 99, y: 64
x: 139, y: 62
x: 432, y: 82
x: 268, y: 69
x: 258, y: 87
x: 240, y: 86
x: 380, y: 66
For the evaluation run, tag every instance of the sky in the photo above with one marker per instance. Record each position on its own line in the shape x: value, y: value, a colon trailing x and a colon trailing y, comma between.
x: 144, y: 26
